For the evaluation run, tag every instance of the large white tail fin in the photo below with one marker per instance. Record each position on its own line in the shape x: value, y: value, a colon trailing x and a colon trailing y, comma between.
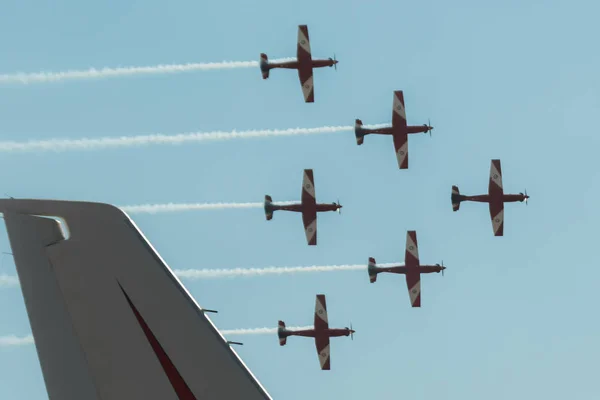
x: 109, y: 318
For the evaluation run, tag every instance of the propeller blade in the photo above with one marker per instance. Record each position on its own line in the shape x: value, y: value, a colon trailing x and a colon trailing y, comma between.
x: 335, y: 64
x: 429, y: 125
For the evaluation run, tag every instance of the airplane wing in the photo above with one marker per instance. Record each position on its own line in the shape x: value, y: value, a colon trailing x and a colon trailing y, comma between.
x: 305, y: 70
x: 309, y: 207
x: 399, y: 129
x: 321, y: 321
x: 411, y: 256
x: 496, y: 193
x: 321, y: 324
x: 413, y: 282
x: 323, y: 349
x: 411, y: 259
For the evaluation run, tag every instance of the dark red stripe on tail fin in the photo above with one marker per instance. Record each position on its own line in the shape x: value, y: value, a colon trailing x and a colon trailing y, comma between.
x: 179, y: 386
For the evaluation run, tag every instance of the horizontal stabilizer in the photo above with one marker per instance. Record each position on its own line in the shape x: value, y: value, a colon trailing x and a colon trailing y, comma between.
x: 456, y: 198
x: 268, y: 207
x: 281, y: 333
x: 358, y: 132
x: 372, y: 269
x: 264, y: 65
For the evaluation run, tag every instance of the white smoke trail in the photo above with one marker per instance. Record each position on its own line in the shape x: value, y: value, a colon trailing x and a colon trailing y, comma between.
x: 142, y: 140
x: 260, y: 331
x: 8, y: 281
x: 178, y: 207
x: 93, y: 73
x: 12, y: 340
x: 194, y: 274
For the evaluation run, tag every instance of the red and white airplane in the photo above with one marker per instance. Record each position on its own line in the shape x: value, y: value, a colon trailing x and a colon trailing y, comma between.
x: 399, y: 130
x: 412, y: 269
x: 304, y: 64
x: 495, y: 197
x: 308, y: 207
x: 321, y: 332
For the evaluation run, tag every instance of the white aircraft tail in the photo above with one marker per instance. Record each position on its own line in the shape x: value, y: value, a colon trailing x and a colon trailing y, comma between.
x: 109, y: 318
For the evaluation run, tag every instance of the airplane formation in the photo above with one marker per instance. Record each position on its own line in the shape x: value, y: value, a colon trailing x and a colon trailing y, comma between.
x: 309, y: 208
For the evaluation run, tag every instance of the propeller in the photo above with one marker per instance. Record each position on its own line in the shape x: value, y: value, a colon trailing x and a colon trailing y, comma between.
x: 442, y: 267
x: 526, y: 197
x: 339, y: 210
x: 334, y: 62
x: 429, y: 126
x: 351, y: 332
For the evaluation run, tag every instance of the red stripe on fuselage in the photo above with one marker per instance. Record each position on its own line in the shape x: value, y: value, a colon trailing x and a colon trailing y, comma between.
x: 181, y: 388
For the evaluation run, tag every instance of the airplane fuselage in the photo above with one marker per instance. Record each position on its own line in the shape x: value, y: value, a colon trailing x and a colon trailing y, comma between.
x: 486, y: 198
x: 300, y: 207
x: 296, y: 64
x: 390, y: 131
x: 318, y: 333
x: 422, y: 269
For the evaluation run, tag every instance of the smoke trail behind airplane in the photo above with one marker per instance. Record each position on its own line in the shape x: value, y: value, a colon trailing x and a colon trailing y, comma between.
x: 179, y: 207
x: 58, y: 145
x: 93, y: 73
x: 260, y: 331
x: 8, y: 281
x: 193, y: 274
x: 12, y: 340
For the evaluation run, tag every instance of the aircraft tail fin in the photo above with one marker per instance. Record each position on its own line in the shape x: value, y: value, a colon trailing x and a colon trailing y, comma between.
x: 281, y: 333
x: 372, y: 269
x: 456, y: 198
x: 358, y: 132
x: 103, y: 305
x: 269, y: 209
x: 264, y: 65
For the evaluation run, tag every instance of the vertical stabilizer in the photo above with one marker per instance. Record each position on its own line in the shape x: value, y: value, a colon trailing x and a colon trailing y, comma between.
x: 109, y: 318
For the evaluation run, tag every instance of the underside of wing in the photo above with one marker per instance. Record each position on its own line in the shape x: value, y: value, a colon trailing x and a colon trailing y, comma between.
x: 305, y: 73
x: 321, y: 321
x: 413, y: 282
x: 399, y: 112
x: 495, y: 189
x: 411, y: 255
x: 305, y: 70
x: 309, y: 207
x: 401, y: 148
x: 497, y: 215
x: 323, y: 350
x: 496, y: 193
x: 399, y: 130
x: 303, y: 50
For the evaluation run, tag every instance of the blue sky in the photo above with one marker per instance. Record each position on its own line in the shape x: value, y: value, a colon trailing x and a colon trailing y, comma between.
x: 513, y: 316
